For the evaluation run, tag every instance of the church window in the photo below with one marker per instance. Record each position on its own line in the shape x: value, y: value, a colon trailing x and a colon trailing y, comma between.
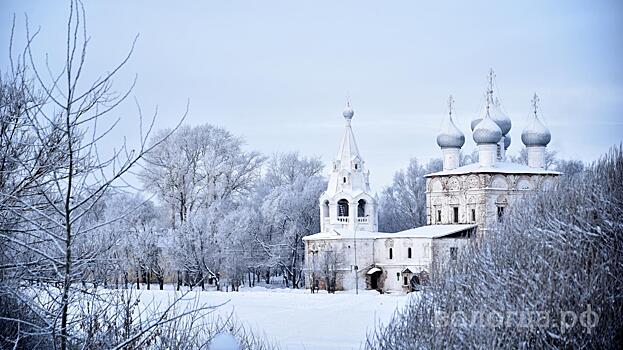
x: 500, y: 213
x: 409, y: 253
x: 499, y: 152
x: 356, y: 166
x: 473, y: 215
x: 453, y: 252
x: 344, y: 179
x: 342, y: 207
x: 326, y: 209
x: 438, y: 215
x: 405, y: 280
x: 361, y: 208
x: 397, y: 276
x: 455, y: 216
x: 391, y: 253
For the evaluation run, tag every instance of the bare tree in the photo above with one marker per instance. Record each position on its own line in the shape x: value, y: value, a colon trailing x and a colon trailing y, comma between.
x: 58, y: 178
x: 402, y: 205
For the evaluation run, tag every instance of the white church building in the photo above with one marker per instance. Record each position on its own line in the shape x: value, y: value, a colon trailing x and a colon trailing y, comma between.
x: 462, y: 202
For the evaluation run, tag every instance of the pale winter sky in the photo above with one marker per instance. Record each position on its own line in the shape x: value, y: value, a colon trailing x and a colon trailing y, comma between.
x: 278, y: 72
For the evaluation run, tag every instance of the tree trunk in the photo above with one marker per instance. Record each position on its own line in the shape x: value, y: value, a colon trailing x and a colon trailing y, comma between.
x: 179, y: 280
x: 148, y: 275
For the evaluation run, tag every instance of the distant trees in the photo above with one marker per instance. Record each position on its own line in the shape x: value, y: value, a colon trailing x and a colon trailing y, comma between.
x: 200, y: 174
x: 289, y: 211
x: 522, y: 158
x: 547, y: 277
x: 227, y: 219
x: 402, y: 205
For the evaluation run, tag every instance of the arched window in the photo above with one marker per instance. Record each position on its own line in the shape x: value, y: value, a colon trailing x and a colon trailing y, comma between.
x: 391, y: 253
x: 356, y: 166
x: 344, y: 179
x: 326, y: 209
x: 409, y: 253
x: 361, y: 208
x: 342, y: 207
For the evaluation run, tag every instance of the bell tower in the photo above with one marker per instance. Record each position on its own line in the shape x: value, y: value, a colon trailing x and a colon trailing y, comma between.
x: 347, y: 203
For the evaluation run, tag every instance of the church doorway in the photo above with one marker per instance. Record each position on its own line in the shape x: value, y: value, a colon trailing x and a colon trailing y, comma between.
x: 374, y: 278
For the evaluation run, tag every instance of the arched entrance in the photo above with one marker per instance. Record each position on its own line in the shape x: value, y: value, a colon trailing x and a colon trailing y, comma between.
x: 375, y: 278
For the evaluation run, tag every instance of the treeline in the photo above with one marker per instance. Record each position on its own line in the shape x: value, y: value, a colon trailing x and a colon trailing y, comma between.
x: 225, y: 217
x: 549, y: 276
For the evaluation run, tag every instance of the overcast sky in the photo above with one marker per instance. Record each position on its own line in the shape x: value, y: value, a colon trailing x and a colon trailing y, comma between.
x: 278, y: 72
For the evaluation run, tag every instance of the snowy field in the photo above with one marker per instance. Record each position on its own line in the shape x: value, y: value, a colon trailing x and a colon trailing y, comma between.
x: 297, y: 319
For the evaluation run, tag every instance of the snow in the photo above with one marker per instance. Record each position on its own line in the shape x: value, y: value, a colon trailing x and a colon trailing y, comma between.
x: 295, y: 318
x: 499, y: 167
x: 224, y: 341
x: 433, y: 231
x: 430, y: 231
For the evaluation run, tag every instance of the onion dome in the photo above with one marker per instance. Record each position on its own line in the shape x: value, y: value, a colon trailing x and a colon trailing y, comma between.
x: 535, y: 133
x: 507, y: 141
x: 475, y: 122
x: 450, y: 136
x: 348, y: 112
x: 487, y: 131
x: 500, y: 118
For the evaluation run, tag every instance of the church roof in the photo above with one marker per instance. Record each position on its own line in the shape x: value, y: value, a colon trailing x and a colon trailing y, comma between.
x: 431, y: 231
x: 498, y: 168
x: 348, y: 147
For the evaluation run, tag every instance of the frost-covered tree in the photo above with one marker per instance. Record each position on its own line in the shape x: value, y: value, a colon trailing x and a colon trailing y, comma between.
x: 522, y: 158
x: 198, y: 167
x: 288, y: 194
x: 402, y: 205
x: 199, y: 174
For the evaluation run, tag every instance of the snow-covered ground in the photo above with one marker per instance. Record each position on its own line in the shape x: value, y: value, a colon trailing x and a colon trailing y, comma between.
x: 297, y: 319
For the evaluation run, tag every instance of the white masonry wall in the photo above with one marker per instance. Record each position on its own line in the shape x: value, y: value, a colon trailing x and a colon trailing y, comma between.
x: 483, y: 192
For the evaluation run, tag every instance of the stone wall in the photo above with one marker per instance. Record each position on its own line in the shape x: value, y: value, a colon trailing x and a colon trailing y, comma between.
x: 483, y: 193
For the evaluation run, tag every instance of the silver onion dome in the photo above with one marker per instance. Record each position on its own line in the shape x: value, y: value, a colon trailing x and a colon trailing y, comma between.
x: 348, y: 112
x: 535, y: 133
x: 475, y: 122
x: 507, y: 141
x: 500, y: 118
x: 487, y: 132
x: 450, y: 136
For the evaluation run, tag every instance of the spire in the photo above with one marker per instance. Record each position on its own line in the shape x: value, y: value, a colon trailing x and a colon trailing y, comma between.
x: 450, y: 105
x: 535, y: 103
x: 488, y: 100
x: 490, y: 86
x: 347, y: 202
x: 348, y: 147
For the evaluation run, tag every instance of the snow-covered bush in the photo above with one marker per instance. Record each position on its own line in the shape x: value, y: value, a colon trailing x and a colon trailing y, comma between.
x: 549, y: 276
